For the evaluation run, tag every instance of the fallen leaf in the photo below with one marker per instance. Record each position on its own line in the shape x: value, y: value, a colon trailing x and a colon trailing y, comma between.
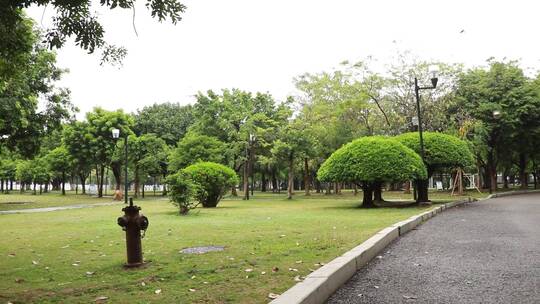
x: 297, y: 244
x: 90, y: 273
x: 205, y: 282
x: 379, y: 257
x: 409, y: 297
x: 273, y: 296
x: 275, y: 269
x: 143, y: 284
x: 376, y: 287
x: 11, y: 255
x: 19, y: 280
x: 64, y: 247
x: 75, y: 264
x: 192, y: 289
x: 283, y: 235
x: 193, y: 277
x: 263, y: 272
x: 35, y: 262
x: 101, y: 299
x: 157, y: 291
x: 297, y: 279
x: 249, y: 270
x: 293, y: 269
x: 298, y: 262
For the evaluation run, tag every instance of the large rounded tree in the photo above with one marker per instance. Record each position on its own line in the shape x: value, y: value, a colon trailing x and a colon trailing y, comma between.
x: 441, y: 151
x: 371, y: 161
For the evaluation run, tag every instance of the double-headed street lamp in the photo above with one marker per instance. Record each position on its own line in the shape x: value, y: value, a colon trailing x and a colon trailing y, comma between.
x: 434, y: 79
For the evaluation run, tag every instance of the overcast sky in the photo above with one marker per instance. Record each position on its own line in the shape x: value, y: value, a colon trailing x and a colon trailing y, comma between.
x: 262, y: 45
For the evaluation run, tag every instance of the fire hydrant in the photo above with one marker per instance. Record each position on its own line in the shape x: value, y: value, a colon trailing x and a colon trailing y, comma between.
x: 132, y: 223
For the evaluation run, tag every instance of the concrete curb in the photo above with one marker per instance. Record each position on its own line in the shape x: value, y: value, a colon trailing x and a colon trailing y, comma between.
x: 323, y: 282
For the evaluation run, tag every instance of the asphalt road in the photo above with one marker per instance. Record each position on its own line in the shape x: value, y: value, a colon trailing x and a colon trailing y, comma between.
x: 483, y: 252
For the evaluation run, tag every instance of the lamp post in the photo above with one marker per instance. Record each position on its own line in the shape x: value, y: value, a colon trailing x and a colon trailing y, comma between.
x: 116, y: 135
x: 423, y: 197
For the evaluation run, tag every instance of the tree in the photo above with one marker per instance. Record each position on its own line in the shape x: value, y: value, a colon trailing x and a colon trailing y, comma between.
x: 24, y: 173
x: 103, y: 145
x: 294, y: 142
x: 145, y: 154
x: 504, y: 101
x: 78, y: 20
x: 168, y: 121
x: 60, y: 162
x: 28, y: 73
x: 441, y: 151
x: 78, y: 141
x: 41, y: 173
x: 196, y: 148
x: 232, y: 117
x: 370, y: 161
x: 8, y: 169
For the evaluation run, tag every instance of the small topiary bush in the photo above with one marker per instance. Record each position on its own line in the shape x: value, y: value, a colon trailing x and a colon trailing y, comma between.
x: 204, y: 182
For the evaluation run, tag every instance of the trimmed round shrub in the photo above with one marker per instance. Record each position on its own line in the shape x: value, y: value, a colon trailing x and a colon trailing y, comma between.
x: 441, y: 151
x: 206, y: 182
x: 372, y: 159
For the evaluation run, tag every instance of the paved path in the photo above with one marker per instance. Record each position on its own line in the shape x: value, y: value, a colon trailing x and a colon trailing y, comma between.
x: 484, y: 252
x: 49, y: 209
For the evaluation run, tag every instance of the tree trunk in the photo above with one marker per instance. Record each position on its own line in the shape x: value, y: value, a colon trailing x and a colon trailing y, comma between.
x: 263, y: 181
x: 492, y: 167
x: 523, y: 176
x: 355, y: 188
x: 377, y: 192
x: 246, y: 180
x: 82, y: 177
x: 367, y: 201
x: 275, y: 186
x: 100, y: 179
x: 63, y: 183
x: 422, y: 191
x: 117, y: 173
x: 290, y: 186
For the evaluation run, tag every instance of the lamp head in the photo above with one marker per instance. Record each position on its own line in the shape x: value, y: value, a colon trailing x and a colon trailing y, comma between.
x: 115, y: 133
x: 434, y: 74
x: 414, y: 121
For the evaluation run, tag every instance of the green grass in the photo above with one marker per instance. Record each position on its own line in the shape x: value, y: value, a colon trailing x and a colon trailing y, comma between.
x: 27, y: 200
x: 265, y: 232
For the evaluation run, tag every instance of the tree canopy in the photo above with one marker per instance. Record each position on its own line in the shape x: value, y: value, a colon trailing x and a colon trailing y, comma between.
x: 441, y: 151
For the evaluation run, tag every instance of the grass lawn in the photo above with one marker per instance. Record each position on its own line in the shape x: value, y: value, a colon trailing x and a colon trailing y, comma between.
x: 77, y: 255
x: 27, y: 200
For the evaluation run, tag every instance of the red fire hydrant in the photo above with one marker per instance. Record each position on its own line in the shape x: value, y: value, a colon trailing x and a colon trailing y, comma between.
x: 132, y: 223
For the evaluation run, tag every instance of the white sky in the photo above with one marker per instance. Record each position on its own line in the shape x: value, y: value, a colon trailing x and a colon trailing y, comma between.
x: 261, y: 45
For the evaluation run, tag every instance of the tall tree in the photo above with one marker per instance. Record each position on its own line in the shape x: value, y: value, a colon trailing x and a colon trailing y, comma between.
x: 28, y: 73
x: 100, y: 126
x: 168, y: 121
x: 78, y: 20
x: 145, y: 154
x: 60, y: 163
